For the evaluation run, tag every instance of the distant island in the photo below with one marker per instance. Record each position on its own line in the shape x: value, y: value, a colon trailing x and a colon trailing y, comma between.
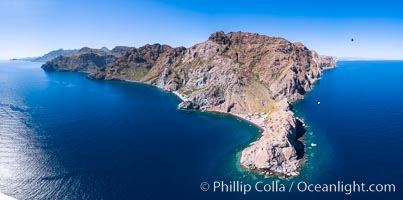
x: 53, y: 54
x: 250, y: 76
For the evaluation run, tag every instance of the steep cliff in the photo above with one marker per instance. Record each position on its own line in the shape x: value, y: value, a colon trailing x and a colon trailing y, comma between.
x: 248, y: 75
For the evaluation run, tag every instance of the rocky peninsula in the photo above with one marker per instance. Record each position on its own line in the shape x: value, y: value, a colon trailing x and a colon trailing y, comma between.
x: 251, y: 76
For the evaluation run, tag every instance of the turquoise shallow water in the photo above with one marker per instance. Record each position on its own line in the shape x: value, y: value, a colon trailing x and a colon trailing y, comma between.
x: 65, y: 137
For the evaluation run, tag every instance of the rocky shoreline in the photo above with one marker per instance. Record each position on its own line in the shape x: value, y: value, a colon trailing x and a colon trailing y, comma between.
x: 280, y: 132
x: 278, y: 151
x: 247, y: 75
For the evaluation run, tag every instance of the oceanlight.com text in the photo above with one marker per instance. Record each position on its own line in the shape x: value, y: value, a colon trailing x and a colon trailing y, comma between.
x: 301, y: 186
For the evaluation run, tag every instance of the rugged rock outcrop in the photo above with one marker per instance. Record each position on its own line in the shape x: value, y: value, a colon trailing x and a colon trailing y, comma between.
x: 147, y: 63
x: 277, y: 151
x: 85, y: 60
x: 248, y: 75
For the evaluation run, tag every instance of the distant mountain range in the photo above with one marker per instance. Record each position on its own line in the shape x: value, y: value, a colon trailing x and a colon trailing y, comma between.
x: 362, y: 58
x: 54, y: 54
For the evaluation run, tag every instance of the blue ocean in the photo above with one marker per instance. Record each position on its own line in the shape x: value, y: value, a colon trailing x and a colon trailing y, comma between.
x: 65, y: 137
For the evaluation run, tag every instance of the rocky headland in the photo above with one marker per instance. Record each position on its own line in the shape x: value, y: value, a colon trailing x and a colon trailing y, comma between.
x: 85, y: 59
x: 251, y: 76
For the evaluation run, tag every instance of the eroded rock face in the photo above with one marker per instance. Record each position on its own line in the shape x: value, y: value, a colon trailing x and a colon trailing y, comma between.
x: 188, y: 105
x: 238, y: 73
x: 85, y: 60
x: 276, y: 150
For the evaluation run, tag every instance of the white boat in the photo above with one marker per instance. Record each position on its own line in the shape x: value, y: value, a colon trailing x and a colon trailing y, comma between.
x: 314, y: 145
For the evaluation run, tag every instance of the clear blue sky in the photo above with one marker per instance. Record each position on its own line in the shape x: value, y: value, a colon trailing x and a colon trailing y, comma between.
x: 34, y: 27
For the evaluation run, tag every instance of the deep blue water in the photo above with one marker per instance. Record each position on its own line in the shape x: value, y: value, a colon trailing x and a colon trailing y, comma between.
x: 65, y: 137
x: 358, y: 125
